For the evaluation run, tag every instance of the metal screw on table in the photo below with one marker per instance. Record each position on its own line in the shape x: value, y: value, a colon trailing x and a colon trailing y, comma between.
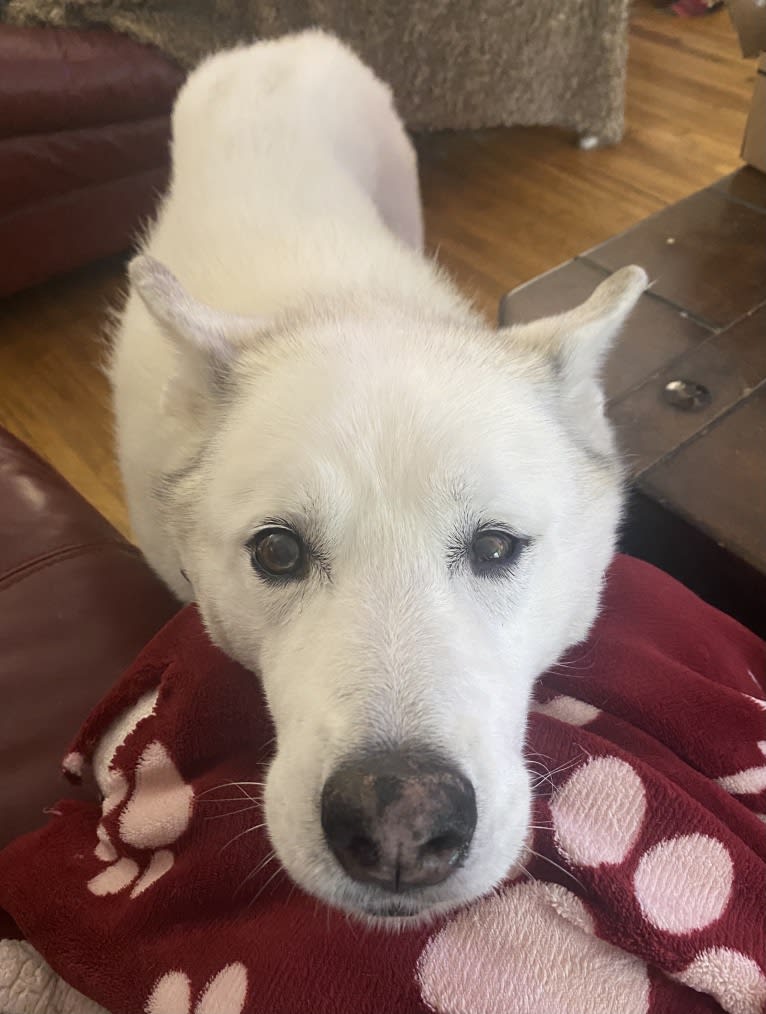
x: 686, y: 395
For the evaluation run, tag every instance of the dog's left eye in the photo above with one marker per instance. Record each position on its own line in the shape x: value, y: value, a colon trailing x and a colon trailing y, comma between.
x: 278, y: 552
x: 492, y: 549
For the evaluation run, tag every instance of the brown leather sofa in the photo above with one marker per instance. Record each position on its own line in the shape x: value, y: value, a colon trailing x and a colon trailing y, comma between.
x: 84, y: 134
x: 77, y: 603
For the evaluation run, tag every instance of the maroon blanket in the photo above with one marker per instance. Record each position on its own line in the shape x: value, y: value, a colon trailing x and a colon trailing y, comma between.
x: 642, y: 891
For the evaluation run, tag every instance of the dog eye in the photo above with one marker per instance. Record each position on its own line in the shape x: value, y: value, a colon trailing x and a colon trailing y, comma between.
x: 492, y: 549
x: 277, y: 552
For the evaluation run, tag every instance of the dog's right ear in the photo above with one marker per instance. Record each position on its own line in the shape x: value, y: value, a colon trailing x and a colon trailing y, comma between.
x: 207, y: 340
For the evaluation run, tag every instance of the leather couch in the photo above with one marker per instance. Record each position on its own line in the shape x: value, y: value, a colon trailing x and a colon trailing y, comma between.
x: 84, y: 135
x: 77, y: 603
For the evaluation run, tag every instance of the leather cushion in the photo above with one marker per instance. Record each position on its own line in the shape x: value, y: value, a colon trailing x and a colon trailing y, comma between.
x: 84, y: 145
x: 52, y: 236
x: 77, y: 603
x: 41, y: 166
x: 60, y: 79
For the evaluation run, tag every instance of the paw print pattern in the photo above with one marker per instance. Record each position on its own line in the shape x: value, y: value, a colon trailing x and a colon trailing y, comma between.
x: 741, y: 985
x: 468, y: 967
x: 567, y: 709
x: 224, y: 994
x: 598, y: 812
x: 750, y: 781
x: 155, y: 815
x: 682, y: 884
x: 674, y: 894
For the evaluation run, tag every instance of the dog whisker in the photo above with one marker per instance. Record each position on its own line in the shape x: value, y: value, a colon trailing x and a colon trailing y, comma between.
x: 225, y: 785
x: 534, y: 753
x: 248, y: 830
x: 275, y: 874
x: 254, y: 873
x: 548, y: 776
x: 565, y: 871
x: 350, y: 924
x: 233, y: 813
x: 236, y: 785
x: 526, y: 872
x: 228, y: 799
x: 562, y: 768
x: 290, y: 894
x: 268, y: 858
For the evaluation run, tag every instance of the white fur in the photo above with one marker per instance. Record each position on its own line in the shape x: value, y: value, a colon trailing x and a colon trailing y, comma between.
x: 305, y: 361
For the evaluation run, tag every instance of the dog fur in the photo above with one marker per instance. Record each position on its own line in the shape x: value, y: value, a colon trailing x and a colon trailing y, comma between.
x: 287, y: 352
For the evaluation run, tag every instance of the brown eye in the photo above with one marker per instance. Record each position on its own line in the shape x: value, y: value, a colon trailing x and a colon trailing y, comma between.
x: 494, y: 549
x: 278, y: 552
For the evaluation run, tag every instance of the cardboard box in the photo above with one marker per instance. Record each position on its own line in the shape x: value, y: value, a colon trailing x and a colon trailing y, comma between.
x: 754, y: 143
x: 749, y: 17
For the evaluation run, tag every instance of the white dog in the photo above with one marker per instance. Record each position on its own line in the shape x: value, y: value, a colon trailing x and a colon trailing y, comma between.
x: 394, y: 514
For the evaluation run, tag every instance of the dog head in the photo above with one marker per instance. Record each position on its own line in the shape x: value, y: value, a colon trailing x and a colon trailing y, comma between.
x: 399, y: 522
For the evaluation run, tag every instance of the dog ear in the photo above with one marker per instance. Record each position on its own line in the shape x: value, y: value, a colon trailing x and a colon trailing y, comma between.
x: 575, y: 345
x: 207, y: 340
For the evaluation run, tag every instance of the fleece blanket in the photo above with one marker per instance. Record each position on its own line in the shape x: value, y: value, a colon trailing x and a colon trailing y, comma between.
x: 641, y: 891
x: 450, y: 63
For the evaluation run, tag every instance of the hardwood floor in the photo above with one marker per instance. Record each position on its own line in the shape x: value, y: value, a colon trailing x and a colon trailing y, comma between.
x: 501, y: 207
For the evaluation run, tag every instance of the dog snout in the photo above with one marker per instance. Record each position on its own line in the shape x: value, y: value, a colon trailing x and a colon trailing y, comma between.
x: 398, y: 819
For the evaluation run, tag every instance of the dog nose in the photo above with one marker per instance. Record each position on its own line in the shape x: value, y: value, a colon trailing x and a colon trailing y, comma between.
x: 398, y: 819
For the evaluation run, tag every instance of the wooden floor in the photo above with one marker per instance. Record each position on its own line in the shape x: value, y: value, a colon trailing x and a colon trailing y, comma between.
x: 501, y: 207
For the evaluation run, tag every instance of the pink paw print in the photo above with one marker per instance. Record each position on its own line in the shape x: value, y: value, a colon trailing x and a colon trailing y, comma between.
x: 747, y: 781
x: 155, y: 815
x: 224, y: 994
x: 539, y: 940
x: 507, y: 941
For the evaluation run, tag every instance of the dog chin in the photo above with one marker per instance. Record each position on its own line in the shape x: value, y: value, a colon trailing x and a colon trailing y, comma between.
x: 399, y: 916
x: 398, y: 913
x: 392, y: 923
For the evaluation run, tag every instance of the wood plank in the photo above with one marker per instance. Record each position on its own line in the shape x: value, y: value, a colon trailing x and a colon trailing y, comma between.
x: 718, y: 481
x: 729, y: 365
x: 706, y: 254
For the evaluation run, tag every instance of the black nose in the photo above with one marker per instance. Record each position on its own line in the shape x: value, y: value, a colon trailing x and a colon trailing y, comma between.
x: 398, y: 819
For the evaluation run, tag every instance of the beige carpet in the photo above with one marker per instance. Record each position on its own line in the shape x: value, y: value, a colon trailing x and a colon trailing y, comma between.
x: 452, y: 63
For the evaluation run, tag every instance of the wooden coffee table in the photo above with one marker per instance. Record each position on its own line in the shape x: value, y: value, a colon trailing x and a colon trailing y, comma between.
x: 687, y: 386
